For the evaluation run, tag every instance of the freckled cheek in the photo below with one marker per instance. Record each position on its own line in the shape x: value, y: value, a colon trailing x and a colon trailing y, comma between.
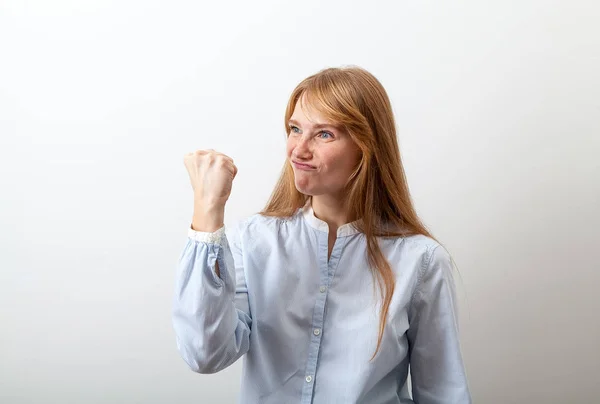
x: 336, y: 166
x: 289, y: 148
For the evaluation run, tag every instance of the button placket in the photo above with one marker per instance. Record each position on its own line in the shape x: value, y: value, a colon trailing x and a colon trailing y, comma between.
x: 327, y: 267
x: 317, y: 323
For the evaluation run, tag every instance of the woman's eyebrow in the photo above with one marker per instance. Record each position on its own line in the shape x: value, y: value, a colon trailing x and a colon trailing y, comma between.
x: 317, y: 126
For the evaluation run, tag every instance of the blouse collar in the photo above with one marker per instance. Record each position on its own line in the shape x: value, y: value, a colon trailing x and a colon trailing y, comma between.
x: 346, y: 229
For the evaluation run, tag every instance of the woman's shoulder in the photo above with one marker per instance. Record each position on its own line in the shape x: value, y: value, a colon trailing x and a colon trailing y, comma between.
x: 259, y: 225
x: 420, y: 248
x: 419, y: 241
x: 258, y: 220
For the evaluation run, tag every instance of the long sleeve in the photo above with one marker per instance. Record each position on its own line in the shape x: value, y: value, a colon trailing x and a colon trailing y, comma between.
x: 211, y: 315
x: 437, y: 370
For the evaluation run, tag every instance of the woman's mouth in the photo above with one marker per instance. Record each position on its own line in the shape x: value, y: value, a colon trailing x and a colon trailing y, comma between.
x: 301, y: 166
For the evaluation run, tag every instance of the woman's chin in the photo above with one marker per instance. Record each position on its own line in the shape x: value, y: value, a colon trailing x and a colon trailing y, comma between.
x: 304, y: 189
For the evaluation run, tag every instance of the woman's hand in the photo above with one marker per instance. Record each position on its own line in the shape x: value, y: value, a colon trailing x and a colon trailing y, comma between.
x: 211, y: 175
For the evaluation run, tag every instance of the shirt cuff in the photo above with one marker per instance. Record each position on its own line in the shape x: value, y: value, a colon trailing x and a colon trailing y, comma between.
x: 207, y: 237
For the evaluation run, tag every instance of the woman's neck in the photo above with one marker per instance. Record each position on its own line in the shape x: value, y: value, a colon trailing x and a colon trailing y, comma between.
x: 330, y: 210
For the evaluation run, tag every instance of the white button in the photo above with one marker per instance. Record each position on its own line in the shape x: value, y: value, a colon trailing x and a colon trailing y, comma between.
x: 316, y: 331
x: 322, y: 289
x: 308, y: 379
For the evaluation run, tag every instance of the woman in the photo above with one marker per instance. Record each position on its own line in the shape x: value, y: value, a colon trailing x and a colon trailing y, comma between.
x: 336, y: 287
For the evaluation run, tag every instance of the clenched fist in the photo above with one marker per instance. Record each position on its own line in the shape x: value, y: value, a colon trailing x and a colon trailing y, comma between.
x: 211, y: 174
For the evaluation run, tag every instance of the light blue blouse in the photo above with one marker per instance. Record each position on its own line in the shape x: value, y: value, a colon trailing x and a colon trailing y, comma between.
x: 308, y: 325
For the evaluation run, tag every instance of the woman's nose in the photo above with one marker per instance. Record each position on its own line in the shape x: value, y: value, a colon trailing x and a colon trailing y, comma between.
x: 302, y: 148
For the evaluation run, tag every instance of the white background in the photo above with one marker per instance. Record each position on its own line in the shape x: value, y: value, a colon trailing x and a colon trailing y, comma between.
x: 498, y: 112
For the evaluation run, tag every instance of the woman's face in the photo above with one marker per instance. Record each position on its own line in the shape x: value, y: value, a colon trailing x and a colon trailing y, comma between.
x: 328, y: 152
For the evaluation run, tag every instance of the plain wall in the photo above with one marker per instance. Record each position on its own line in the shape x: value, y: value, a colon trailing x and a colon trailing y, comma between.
x: 497, y: 108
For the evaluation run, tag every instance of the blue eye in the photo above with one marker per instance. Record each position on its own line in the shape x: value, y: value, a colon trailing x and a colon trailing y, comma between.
x: 295, y: 129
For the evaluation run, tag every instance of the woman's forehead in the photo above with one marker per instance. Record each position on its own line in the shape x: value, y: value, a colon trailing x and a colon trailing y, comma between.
x: 306, y: 112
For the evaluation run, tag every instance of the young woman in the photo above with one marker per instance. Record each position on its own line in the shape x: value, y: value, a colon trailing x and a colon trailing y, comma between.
x: 336, y: 287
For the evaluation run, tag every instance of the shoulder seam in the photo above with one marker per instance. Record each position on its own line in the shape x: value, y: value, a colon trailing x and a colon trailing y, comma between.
x: 426, y: 262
